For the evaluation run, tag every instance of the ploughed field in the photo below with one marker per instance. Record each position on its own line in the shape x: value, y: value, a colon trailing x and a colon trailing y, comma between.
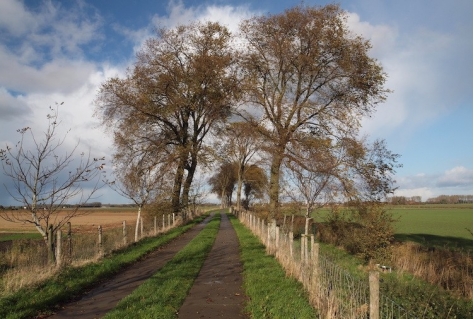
x: 105, y: 217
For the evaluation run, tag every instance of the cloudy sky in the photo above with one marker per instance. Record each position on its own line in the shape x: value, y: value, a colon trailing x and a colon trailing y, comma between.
x: 61, y: 51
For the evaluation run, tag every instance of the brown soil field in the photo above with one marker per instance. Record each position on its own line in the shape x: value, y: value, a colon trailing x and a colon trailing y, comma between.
x: 105, y: 217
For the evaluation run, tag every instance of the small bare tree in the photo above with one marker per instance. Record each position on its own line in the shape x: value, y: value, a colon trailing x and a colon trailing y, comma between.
x: 312, y: 170
x: 142, y: 163
x: 44, y: 182
x: 142, y: 182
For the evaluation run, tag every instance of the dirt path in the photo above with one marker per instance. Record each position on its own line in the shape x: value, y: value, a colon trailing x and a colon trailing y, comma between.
x: 217, y: 291
x: 97, y: 302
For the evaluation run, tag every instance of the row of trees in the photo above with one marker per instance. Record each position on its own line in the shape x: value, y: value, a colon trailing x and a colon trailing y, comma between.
x: 282, y: 99
x: 441, y: 199
x: 275, y: 109
x: 450, y: 199
x: 403, y: 200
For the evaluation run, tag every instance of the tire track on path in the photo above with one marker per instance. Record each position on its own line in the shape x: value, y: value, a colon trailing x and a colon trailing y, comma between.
x: 217, y: 291
x: 97, y: 302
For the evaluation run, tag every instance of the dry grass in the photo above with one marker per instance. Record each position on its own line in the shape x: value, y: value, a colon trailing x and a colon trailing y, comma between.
x: 25, y: 262
x: 451, y: 270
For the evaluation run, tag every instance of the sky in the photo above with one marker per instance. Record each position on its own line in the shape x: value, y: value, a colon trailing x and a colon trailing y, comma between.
x: 61, y: 51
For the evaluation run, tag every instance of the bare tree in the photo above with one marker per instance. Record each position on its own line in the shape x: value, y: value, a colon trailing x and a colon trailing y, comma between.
x: 142, y: 183
x: 312, y: 169
x: 44, y: 181
x: 142, y: 164
x: 306, y: 72
x: 325, y: 170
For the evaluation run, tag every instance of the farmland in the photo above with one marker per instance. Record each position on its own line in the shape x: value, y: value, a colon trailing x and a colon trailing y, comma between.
x: 90, y: 218
x: 438, y: 225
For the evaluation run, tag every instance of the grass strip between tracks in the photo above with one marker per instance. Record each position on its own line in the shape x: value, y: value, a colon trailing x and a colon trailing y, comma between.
x: 271, y: 293
x: 32, y: 301
x: 162, y: 295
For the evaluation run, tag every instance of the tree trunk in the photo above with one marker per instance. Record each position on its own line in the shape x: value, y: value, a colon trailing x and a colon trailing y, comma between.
x: 138, y: 222
x: 308, y: 218
x: 275, y: 183
x: 189, y: 180
x: 50, y: 245
x: 178, y: 181
x: 306, y: 226
x: 240, y: 175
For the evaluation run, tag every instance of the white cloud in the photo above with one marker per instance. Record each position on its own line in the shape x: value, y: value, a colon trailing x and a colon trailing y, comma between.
x: 456, y: 177
x: 15, y: 18
x: 455, y: 181
x: 58, y: 75
x: 382, y: 37
x: 428, y: 71
x: 11, y: 107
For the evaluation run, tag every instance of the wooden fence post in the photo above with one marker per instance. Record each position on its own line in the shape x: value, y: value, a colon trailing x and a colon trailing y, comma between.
x: 174, y: 221
x: 163, y: 225
x: 374, y: 294
x: 290, y: 239
x: 268, y: 239
x: 100, y: 240
x: 124, y: 233
x: 58, y: 247
x: 154, y: 228
x: 169, y: 221
x: 69, y: 242
x: 277, y: 239
x: 315, y: 255
x: 302, y: 248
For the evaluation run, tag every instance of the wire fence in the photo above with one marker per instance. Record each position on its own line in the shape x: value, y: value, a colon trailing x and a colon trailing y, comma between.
x: 26, y: 262
x: 333, y: 290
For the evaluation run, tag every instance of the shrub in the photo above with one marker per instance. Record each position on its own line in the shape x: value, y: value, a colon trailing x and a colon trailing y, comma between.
x: 364, y: 229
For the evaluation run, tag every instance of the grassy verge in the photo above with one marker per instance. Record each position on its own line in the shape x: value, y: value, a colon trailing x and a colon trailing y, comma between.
x: 423, y: 299
x: 29, y: 302
x: 162, y: 294
x: 271, y: 293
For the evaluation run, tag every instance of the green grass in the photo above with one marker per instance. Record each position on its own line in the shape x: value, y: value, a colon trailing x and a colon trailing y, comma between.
x: 440, y: 225
x: 162, y: 295
x: 19, y: 236
x: 435, y: 225
x: 31, y: 301
x: 271, y: 293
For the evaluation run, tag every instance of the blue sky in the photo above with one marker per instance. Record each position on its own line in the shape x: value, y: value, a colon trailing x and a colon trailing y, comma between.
x: 60, y: 51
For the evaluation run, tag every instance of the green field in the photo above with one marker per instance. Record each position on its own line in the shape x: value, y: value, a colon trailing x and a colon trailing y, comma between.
x: 431, y: 225
x: 438, y: 225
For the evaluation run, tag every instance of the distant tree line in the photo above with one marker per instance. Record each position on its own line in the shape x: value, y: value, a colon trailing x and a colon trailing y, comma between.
x: 450, y: 199
x: 441, y: 199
